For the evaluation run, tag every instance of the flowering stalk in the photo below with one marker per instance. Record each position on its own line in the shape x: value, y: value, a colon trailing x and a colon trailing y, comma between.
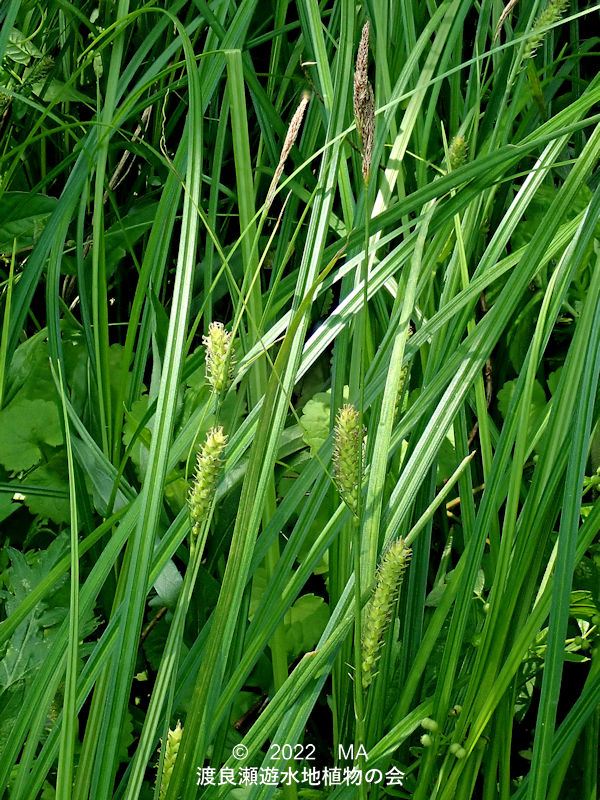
x: 403, y: 377
x: 171, y: 750
x: 347, y: 455
x: 551, y: 14
x: 364, y: 103
x: 205, y: 479
x: 457, y: 152
x: 219, y: 357
x: 380, y: 607
x: 288, y: 143
x: 348, y: 459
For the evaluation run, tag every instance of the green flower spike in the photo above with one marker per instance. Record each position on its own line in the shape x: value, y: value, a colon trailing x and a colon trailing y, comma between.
x: 173, y: 740
x: 403, y: 377
x: 205, y: 479
x: 380, y: 607
x: 347, y: 455
x: 551, y: 14
x: 457, y: 152
x: 219, y: 357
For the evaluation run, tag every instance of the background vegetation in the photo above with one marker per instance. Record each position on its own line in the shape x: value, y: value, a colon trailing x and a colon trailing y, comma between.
x: 450, y: 293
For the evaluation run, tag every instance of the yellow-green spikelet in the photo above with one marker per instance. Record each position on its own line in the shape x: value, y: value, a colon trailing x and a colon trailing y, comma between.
x: 208, y: 466
x: 347, y: 455
x: 173, y: 741
x: 380, y: 606
x: 403, y: 376
x: 551, y: 14
x: 219, y: 357
x: 457, y: 152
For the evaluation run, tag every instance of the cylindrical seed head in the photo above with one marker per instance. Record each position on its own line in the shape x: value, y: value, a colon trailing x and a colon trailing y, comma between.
x: 347, y: 455
x: 172, y: 748
x: 457, y: 152
x: 205, y: 478
x: 380, y: 606
x: 219, y: 357
x: 551, y: 14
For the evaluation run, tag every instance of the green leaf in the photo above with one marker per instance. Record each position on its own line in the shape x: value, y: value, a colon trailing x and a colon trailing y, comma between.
x: 54, y: 476
x: 315, y: 419
x: 154, y: 643
x: 259, y: 584
x: 176, y: 492
x: 521, y: 332
x: 26, y: 649
x: 321, y: 520
x: 479, y: 583
x: 435, y: 595
x: 54, y: 90
x: 304, y: 623
x: 141, y: 447
x: 168, y: 585
x: 553, y: 379
x: 125, y: 738
x: 11, y: 700
x: 447, y: 458
x: 30, y: 371
x: 538, y: 209
x: 7, y: 506
x: 537, y: 406
x: 116, y: 355
x: 582, y: 605
x: 26, y: 428
x: 23, y: 217
x: 20, y: 49
x: 120, y: 237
